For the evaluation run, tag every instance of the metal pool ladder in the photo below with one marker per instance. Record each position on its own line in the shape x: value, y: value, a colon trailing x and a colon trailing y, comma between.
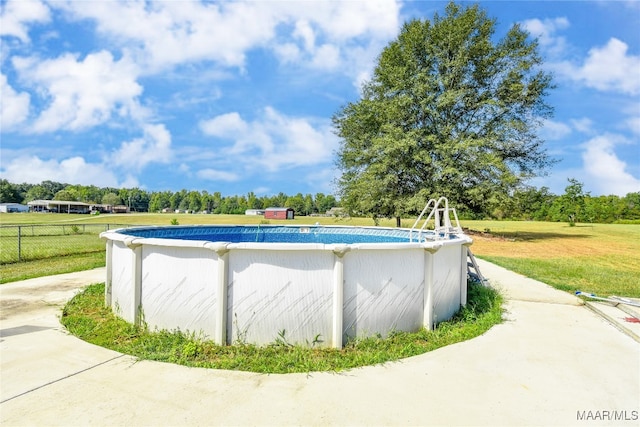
x: 440, y: 212
x: 472, y: 264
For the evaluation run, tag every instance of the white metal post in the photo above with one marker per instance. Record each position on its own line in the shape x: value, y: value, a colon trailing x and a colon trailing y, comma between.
x: 338, y: 296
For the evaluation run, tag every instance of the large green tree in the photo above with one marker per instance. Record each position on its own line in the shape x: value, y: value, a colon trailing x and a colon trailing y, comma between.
x: 448, y: 112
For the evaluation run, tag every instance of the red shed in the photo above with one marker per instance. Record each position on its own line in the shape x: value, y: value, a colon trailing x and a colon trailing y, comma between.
x: 279, y: 213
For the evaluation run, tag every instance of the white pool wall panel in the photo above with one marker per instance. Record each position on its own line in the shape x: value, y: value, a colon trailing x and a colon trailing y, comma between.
x: 179, y: 288
x: 273, y: 292
x: 446, y: 282
x: 123, y: 281
x: 383, y: 291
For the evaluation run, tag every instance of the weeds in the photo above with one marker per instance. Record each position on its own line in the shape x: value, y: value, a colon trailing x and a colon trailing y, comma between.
x: 86, y: 317
x: 281, y: 340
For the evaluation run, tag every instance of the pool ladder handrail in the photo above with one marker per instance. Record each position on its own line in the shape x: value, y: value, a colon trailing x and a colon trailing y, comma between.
x: 442, y: 220
x: 443, y: 227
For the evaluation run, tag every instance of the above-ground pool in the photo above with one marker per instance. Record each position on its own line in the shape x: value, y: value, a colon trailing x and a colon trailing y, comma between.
x: 311, y: 283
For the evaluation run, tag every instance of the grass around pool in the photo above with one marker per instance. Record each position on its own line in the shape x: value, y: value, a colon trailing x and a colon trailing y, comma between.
x: 86, y: 317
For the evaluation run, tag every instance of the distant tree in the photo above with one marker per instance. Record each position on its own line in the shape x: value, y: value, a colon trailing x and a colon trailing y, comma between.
x: 324, y: 202
x: 38, y: 192
x: 66, y: 195
x: 571, y: 205
x: 194, y: 199
x: 184, y: 204
x: 450, y: 110
x: 22, y: 190
x: 531, y: 203
x: 85, y: 193
x: 279, y: 200
x: 9, y: 193
x: 205, y: 201
x: 233, y: 205
x: 631, y: 209
x: 296, y: 202
x: 309, y: 206
x: 53, y: 187
x: 176, y: 199
x: 111, y: 199
x: 216, y: 202
x: 159, y: 200
x: 134, y: 198
x: 254, y: 202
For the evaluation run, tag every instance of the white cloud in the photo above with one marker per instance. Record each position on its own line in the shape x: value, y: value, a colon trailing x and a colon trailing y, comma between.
x: 583, y: 125
x: 322, y: 180
x: 14, y: 106
x: 128, y: 160
x: 184, y: 168
x: 217, y: 175
x: 82, y: 93
x: 552, y: 130
x: 295, y: 141
x: 16, y: 15
x: 304, y: 31
x: 346, y: 20
x: 164, y: 34
x: 33, y: 169
x: 153, y: 147
x: 287, y: 53
x: 341, y: 36
x: 261, y: 190
x: 327, y: 57
x: 545, y: 31
x: 607, y: 68
x: 274, y: 140
x: 224, y: 126
x: 361, y: 79
x: 608, y: 173
x: 633, y: 124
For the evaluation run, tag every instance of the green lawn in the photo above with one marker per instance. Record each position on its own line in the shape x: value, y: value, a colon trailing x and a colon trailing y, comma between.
x: 598, y: 258
x: 50, y: 266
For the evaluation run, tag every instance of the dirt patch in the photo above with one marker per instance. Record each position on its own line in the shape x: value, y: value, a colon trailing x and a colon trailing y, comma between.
x: 10, y: 307
x: 552, y: 247
x: 487, y: 235
x: 35, y: 295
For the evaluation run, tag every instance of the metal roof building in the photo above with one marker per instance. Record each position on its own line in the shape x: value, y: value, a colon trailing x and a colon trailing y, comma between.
x: 59, y: 206
x: 279, y: 213
x: 13, y: 207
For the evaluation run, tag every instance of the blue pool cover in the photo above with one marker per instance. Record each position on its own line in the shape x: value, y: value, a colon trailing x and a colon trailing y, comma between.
x: 274, y: 234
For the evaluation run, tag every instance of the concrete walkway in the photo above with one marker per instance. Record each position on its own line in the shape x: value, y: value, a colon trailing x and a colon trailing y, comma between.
x: 552, y: 362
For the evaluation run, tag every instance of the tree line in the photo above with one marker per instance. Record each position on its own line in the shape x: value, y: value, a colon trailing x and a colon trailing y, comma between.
x: 526, y: 203
x: 139, y: 200
x: 575, y: 205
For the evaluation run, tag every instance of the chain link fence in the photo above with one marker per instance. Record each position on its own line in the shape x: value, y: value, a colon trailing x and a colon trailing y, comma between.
x: 38, y: 241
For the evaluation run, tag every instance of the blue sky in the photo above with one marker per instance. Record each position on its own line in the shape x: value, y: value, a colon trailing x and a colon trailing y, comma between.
x: 238, y: 96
